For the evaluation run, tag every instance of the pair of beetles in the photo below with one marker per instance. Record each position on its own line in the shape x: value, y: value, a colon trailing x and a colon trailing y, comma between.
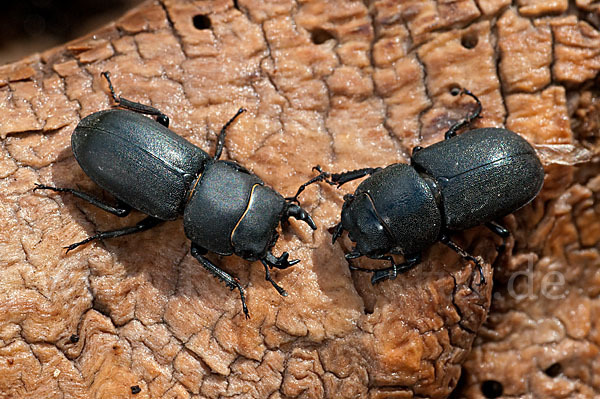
x: 463, y: 181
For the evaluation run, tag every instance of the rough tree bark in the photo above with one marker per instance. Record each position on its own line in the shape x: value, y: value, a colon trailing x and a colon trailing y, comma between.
x: 344, y: 84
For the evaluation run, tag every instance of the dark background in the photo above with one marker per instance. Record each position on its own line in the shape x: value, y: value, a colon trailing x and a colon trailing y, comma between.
x: 30, y: 26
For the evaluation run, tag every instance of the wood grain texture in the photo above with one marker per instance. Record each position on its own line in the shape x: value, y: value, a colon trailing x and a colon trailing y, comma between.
x: 342, y: 84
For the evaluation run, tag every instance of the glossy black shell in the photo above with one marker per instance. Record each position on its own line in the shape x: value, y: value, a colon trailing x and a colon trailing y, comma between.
x: 483, y: 175
x: 231, y: 211
x: 401, y: 202
x: 138, y: 160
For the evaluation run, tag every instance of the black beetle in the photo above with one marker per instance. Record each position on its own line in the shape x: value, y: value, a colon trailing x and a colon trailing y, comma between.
x: 226, y: 209
x: 466, y: 180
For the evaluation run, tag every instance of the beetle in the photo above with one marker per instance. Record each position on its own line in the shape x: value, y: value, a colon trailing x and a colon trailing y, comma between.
x: 463, y: 181
x: 146, y: 166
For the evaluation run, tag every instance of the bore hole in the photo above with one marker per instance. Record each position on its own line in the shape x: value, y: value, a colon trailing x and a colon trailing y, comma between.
x: 554, y: 370
x: 74, y: 338
x: 201, y: 22
x: 236, y: 5
x: 491, y: 389
x: 320, y: 36
x: 469, y: 40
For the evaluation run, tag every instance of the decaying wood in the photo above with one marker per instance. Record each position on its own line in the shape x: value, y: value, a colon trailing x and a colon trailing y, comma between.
x: 344, y: 85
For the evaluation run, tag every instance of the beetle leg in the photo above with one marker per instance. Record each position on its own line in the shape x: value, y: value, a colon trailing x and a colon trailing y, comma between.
x: 500, y: 231
x: 279, y: 262
x: 221, y: 137
x: 467, y: 120
x: 497, y: 229
x: 134, y: 106
x: 143, y: 225
x: 391, y: 272
x: 281, y: 291
x: 338, y: 229
x: 220, y: 274
x: 463, y: 254
x: 121, y: 210
x: 416, y: 149
x: 295, y: 211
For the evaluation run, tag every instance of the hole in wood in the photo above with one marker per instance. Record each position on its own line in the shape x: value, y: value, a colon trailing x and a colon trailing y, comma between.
x: 320, y: 36
x: 201, y: 22
x: 491, y: 389
x: 469, y: 40
x: 553, y: 370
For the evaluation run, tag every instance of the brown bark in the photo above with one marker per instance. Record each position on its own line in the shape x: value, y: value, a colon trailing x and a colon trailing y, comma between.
x: 341, y: 84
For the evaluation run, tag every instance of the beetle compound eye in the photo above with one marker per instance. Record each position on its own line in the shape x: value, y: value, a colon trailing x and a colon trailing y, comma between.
x: 201, y: 22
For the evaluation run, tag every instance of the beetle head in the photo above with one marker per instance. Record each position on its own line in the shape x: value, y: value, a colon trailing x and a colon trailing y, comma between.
x: 364, y: 226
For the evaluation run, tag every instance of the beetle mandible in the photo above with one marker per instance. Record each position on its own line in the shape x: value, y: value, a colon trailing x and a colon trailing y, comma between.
x: 463, y: 181
x: 145, y: 166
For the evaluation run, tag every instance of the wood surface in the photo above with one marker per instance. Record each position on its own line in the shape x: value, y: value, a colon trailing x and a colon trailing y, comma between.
x: 344, y: 85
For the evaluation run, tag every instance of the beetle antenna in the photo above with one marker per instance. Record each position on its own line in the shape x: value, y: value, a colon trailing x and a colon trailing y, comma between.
x: 477, y: 112
x: 221, y: 138
x: 322, y: 176
x: 467, y: 120
x: 135, y: 106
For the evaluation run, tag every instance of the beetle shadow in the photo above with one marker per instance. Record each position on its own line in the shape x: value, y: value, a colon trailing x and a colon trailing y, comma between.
x: 441, y: 270
x: 146, y: 252
x: 154, y: 265
x: 156, y: 262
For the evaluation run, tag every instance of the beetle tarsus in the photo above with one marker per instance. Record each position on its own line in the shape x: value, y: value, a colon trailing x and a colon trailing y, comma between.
x: 120, y: 210
x: 220, y: 274
x: 143, y: 225
x: 465, y: 255
x: 390, y: 273
x: 281, y: 291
